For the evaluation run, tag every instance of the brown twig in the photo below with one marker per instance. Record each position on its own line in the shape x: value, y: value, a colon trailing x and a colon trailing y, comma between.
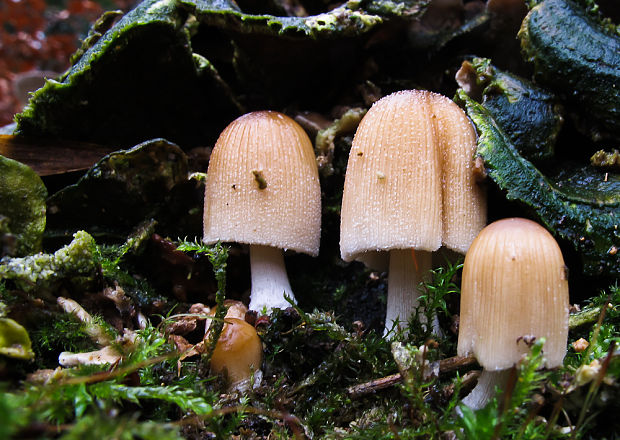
x: 445, y: 366
x: 374, y: 385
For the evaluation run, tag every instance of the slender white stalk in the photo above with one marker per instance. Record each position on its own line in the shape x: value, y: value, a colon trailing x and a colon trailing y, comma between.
x: 484, y: 390
x: 269, y: 279
x: 407, y: 269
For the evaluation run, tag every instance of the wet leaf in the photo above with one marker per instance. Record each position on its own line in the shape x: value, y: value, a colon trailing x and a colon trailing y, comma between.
x: 49, y: 157
x: 177, y: 88
x: 530, y: 115
x: 579, y: 205
x: 168, y: 92
x: 585, y: 70
x: 350, y: 19
x: 120, y: 191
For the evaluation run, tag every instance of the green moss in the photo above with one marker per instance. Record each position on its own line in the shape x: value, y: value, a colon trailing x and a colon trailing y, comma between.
x: 218, y: 255
x: 56, y: 333
x: 76, y: 260
x: 115, y: 268
x: 22, y: 209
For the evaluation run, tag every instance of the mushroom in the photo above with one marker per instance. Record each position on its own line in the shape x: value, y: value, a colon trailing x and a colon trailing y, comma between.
x: 410, y: 188
x: 514, y: 289
x: 262, y: 189
x: 235, y: 309
x: 238, y: 353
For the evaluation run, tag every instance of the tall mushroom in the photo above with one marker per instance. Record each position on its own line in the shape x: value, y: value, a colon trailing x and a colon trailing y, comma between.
x: 262, y: 189
x: 514, y: 288
x: 410, y: 188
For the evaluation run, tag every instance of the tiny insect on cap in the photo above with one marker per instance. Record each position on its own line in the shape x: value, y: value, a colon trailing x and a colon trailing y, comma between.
x: 514, y: 290
x: 262, y: 185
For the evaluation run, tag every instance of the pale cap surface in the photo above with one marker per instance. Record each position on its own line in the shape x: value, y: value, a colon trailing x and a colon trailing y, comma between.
x: 262, y: 185
x: 410, y: 179
x: 514, y: 287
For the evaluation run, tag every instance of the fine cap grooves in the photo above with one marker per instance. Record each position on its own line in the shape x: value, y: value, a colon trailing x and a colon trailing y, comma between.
x: 282, y: 211
x: 464, y: 201
x: 397, y: 193
x: 513, y: 287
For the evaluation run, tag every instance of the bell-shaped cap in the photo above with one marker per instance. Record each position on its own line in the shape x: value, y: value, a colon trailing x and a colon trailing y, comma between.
x: 464, y: 212
x: 514, y: 288
x: 410, y: 178
x: 263, y: 186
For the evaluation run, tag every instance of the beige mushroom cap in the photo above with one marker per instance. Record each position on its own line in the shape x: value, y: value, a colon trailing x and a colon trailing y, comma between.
x: 410, y: 179
x: 263, y: 186
x: 514, y: 287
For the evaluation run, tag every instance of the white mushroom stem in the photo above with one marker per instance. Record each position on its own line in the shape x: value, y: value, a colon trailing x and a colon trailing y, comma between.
x: 269, y: 279
x: 408, y: 268
x: 484, y: 390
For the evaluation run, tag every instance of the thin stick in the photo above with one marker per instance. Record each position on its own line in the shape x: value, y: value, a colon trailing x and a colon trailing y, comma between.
x: 445, y: 366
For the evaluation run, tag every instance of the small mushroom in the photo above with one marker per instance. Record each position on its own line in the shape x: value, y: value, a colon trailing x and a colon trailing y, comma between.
x: 514, y: 290
x: 409, y: 189
x: 238, y: 353
x: 262, y: 189
x: 235, y: 309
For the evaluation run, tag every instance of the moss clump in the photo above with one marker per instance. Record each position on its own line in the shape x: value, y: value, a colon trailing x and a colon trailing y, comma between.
x: 22, y: 209
x: 75, y: 260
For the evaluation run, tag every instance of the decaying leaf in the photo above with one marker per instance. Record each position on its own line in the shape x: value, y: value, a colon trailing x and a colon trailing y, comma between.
x: 579, y: 205
x: 528, y: 114
x: 139, y: 81
x: 120, y: 191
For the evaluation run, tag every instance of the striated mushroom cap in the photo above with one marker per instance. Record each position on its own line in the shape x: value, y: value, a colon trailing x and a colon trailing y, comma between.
x: 514, y: 288
x: 410, y: 178
x: 263, y: 186
x: 464, y: 211
x: 238, y: 351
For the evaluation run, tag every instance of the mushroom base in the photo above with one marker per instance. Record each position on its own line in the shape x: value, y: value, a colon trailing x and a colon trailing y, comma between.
x: 485, y: 389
